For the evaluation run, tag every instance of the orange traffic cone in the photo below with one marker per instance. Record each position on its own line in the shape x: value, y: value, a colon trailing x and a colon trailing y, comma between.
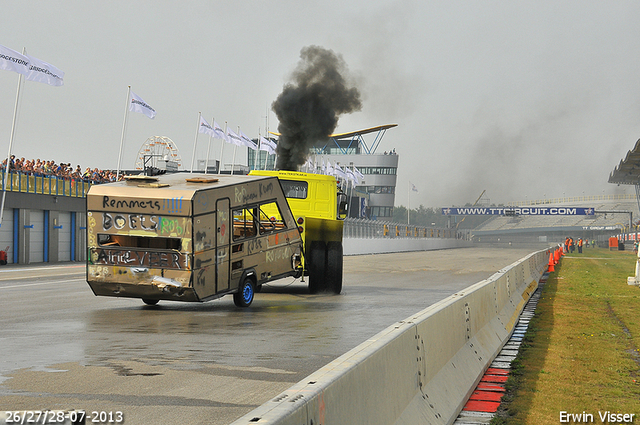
x: 551, y: 264
x: 557, y: 255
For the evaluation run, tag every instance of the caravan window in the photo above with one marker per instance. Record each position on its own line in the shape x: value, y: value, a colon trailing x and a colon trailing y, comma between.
x: 126, y: 241
x: 244, y: 223
x: 270, y: 218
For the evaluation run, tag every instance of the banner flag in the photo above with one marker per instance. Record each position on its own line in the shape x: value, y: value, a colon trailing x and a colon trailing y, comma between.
x: 220, y: 134
x: 233, y: 138
x: 206, y: 128
x: 246, y: 141
x: 44, y: 72
x: 138, y: 105
x: 358, y: 174
x: 13, y: 61
x: 350, y: 175
x: 512, y: 211
x: 413, y: 187
x: 267, y: 145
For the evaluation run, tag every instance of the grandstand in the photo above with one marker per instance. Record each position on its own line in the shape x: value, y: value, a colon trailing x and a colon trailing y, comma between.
x: 614, y: 215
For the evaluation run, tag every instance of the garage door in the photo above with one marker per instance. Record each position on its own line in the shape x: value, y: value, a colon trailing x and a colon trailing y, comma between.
x: 36, y: 236
x: 6, y: 233
x: 64, y: 236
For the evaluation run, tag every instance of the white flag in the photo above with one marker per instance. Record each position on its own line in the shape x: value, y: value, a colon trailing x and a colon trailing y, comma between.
x: 350, y: 176
x: 233, y: 137
x: 246, y: 141
x: 339, y: 172
x: 330, y: 169
x: 136, y: 104
x: 44, y: 72
x: 358, y: 174
x: 13, y: 61
x: 206, y: 128
x: 220, y: 134
x: 267, y: 145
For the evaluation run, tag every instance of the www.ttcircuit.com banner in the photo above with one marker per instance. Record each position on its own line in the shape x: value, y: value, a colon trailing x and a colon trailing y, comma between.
x: 519, y: 211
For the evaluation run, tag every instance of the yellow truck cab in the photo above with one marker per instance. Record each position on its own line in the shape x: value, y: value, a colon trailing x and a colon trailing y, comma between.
x: 190, y: 237
x: 319, y: 208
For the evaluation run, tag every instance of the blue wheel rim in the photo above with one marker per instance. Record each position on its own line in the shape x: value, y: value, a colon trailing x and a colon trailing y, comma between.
x: 247, y: 293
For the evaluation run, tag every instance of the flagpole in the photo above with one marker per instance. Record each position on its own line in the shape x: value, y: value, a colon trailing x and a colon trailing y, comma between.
x: 255, y: 158
x: 222, y: 149
x: 206, y: 164
x: 195, y: 142
x: 124, y: 126
x: 13, y: 130
x: 408, y: 202
x: 235, y: 149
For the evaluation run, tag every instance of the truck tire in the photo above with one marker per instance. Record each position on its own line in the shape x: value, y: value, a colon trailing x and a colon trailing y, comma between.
x: 246, y: 291
x: 334, y: 267
x: 316, y: 259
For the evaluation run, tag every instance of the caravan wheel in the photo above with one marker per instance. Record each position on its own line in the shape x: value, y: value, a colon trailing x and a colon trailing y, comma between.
x: 246, y: 291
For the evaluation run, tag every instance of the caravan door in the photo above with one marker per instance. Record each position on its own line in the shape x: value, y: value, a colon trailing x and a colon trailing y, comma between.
x: 223, y: 228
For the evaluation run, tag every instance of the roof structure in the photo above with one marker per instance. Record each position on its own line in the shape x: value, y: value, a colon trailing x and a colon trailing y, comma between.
x: 628, y: 171
x: 353, y: 138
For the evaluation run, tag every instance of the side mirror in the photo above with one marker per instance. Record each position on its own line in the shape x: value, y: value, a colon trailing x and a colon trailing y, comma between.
x: 342, y: 206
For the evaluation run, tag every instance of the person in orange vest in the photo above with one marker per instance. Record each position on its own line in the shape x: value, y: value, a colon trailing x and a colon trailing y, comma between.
x: 566, y: 244
x: 580, y: 246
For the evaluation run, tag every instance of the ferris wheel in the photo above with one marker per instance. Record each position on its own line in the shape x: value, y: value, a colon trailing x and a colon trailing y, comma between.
x: 157, y: 148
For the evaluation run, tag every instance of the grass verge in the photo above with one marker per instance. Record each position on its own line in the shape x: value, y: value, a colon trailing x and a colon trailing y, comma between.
x: 581, y: 351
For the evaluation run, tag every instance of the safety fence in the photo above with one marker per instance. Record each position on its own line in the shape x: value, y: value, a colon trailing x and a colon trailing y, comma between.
x: 568, y: 199
x: 44, y: 185
x: 373, y: 229
x: 417, y: 371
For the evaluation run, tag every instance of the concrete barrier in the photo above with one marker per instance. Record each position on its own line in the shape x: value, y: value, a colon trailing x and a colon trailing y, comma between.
x: 360, y: 246
x: 420, y: 370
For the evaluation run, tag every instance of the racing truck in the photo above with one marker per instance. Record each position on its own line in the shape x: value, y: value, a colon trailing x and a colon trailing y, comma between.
x: 319, y: 208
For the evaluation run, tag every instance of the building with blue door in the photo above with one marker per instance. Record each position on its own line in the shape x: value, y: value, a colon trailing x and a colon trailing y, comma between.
x: 44, y: 219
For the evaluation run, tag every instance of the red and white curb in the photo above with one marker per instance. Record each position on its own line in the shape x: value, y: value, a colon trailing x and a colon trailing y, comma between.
x: 485, y: 399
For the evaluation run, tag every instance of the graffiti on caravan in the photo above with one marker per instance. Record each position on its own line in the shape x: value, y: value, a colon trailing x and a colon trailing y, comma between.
x: 130, y: 221
x: 519, y: 211
x: 171, y: 206
x: 176, y: 226
x: 128, y: 257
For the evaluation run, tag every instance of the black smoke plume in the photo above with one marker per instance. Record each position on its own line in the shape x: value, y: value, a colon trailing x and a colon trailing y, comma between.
x: 309, y: 106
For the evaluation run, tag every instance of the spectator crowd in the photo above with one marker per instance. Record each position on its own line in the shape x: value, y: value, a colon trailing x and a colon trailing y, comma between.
x: 39, y: 167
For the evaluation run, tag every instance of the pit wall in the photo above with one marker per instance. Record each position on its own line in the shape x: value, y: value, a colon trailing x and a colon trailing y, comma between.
x: 420, y: 370
x: 362, y: 246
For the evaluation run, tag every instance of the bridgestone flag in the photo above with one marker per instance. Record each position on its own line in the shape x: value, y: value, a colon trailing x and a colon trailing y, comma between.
x: 246, y: 141
x: 206, y: 128
x: 13, y: 61
x: 233, y: 138
x: 43, y: 72
x: 136, y: 104
x: 267, y: 145
x: 220, y: 134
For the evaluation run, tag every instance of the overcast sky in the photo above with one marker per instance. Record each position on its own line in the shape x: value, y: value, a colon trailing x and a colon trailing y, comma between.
x: 524, y: 99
